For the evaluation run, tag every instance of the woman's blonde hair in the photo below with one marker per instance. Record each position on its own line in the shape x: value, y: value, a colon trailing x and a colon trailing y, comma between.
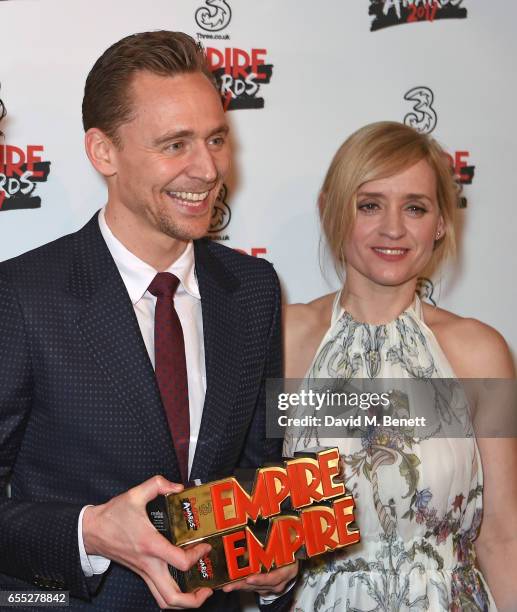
x: 376, y: 151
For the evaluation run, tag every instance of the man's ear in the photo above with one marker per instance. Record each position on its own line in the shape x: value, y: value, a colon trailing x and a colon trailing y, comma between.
x: 100, y: 150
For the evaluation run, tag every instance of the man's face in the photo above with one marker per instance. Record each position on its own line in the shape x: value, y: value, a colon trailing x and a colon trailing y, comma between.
x: 173, y: 156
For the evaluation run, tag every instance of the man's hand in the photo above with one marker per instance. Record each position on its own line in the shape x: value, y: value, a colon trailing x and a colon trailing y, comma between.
x: 121, y: 531
x: 274, y: 582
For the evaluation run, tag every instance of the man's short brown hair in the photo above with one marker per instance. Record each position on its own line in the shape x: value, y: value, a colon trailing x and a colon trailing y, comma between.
x: 107, y: 103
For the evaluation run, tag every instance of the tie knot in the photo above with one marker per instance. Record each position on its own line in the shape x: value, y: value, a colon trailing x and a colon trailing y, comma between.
x: 164, y: 284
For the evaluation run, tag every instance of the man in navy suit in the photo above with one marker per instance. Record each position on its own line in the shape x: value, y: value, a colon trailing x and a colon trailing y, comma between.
x: 84, y: 439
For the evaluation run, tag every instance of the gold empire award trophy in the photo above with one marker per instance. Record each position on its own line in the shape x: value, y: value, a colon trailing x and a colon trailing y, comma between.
x: 295, y: 510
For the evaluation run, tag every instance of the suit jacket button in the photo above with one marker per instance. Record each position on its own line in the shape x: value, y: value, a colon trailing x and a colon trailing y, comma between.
x: 36, y: 581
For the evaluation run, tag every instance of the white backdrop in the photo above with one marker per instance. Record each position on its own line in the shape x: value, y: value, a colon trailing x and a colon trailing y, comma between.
x: 330, y: 75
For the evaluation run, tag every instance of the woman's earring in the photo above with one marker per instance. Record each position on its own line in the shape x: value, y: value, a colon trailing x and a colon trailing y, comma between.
x: 438, y: 234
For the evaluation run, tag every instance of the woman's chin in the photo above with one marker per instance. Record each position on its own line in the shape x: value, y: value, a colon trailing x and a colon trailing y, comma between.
x: 393, y: 280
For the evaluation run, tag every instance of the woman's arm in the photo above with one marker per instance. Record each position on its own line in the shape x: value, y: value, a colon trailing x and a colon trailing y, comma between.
x: 486, y: 356
x: 496, y: 545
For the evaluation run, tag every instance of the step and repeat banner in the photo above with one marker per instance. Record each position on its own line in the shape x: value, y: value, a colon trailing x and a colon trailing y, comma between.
x: 296, y: 77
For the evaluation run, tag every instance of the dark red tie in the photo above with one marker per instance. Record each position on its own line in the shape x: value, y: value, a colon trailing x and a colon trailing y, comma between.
x: 170, y: 365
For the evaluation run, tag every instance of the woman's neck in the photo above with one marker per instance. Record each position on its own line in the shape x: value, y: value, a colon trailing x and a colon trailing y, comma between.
x: 376, y: 304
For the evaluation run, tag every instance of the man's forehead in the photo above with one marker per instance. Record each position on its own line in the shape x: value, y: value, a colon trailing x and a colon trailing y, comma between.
x: 182, y: 92
x: 144, y: 82
x: 187, y: 98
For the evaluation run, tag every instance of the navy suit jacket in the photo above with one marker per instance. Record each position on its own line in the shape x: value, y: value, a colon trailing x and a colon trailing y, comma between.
x: 81, y: 418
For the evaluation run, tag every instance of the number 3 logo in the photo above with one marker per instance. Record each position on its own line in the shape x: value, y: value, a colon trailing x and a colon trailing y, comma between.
x: 424, y: 117
x: 214, y: 17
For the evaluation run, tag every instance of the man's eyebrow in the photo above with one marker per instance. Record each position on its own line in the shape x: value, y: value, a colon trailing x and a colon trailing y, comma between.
x: 175, y: 134
x: 220, y: 129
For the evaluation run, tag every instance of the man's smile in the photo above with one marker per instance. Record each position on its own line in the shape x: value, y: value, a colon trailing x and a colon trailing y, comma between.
x: 188, y: 196
x: 193, y: 201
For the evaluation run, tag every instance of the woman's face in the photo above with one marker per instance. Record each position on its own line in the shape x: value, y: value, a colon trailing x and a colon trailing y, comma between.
x: 397, y: 221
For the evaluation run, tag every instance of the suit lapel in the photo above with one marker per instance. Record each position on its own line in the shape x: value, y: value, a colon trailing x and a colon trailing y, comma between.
x: 223, y: 329
x: 110, y: 329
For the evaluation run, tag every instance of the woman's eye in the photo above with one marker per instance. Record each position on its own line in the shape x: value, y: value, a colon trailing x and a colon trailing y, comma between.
x: 368, y: 207
x: 416, y: 210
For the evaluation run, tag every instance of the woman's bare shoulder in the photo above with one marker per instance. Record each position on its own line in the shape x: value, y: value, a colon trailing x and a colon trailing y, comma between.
x: 304, y: 317
x: 475, y: 349
x: 304, y: 327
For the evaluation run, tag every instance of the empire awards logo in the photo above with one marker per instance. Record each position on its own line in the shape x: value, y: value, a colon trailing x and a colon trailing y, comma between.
x: 20, y: 171
x: 240, y: 75
x: 424, y: 118
x: 213, y: 17
x: 221, y: 216
x: 396, y: 12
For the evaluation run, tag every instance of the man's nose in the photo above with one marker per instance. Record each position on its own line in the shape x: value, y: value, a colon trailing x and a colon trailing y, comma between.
x: 203, y: 166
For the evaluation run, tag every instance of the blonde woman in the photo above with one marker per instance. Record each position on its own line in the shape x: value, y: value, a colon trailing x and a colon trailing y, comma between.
x: 434, y: 537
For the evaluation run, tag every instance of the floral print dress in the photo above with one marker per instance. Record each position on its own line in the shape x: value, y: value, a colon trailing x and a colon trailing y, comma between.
x: 418, y: 501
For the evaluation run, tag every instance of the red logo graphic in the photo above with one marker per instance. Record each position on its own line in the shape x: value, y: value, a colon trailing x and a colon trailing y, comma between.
x: 20, y: 170
x: 462, y: 169
x: 396, y: 12
x: 240, y: 74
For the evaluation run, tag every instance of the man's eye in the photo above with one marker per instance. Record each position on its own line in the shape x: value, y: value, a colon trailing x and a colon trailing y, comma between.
x: 217, y: 141
x: 175, y: 146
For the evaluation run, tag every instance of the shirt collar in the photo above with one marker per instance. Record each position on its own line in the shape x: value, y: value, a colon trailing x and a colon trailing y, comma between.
x: 138, y: 275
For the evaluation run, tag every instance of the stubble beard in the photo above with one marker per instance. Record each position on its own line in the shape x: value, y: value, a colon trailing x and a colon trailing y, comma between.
x: 176, y: 230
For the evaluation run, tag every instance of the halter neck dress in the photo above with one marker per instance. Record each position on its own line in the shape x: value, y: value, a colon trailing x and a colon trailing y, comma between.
x: 418, y: 501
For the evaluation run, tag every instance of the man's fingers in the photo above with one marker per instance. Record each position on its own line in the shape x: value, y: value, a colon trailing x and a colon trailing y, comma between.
x: 193, y: 600
x: 264, y: 580
x: 155, y: 593
x: 281, y: 574
x: 167, y: 593
x: 123, y: 533
x: 274, y: 581
x: 151, y: 488
x: 172, y: 596
x: 266, y: 585
x: 181, y: 558
x: 234, y: 586
x: 185, y: 558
